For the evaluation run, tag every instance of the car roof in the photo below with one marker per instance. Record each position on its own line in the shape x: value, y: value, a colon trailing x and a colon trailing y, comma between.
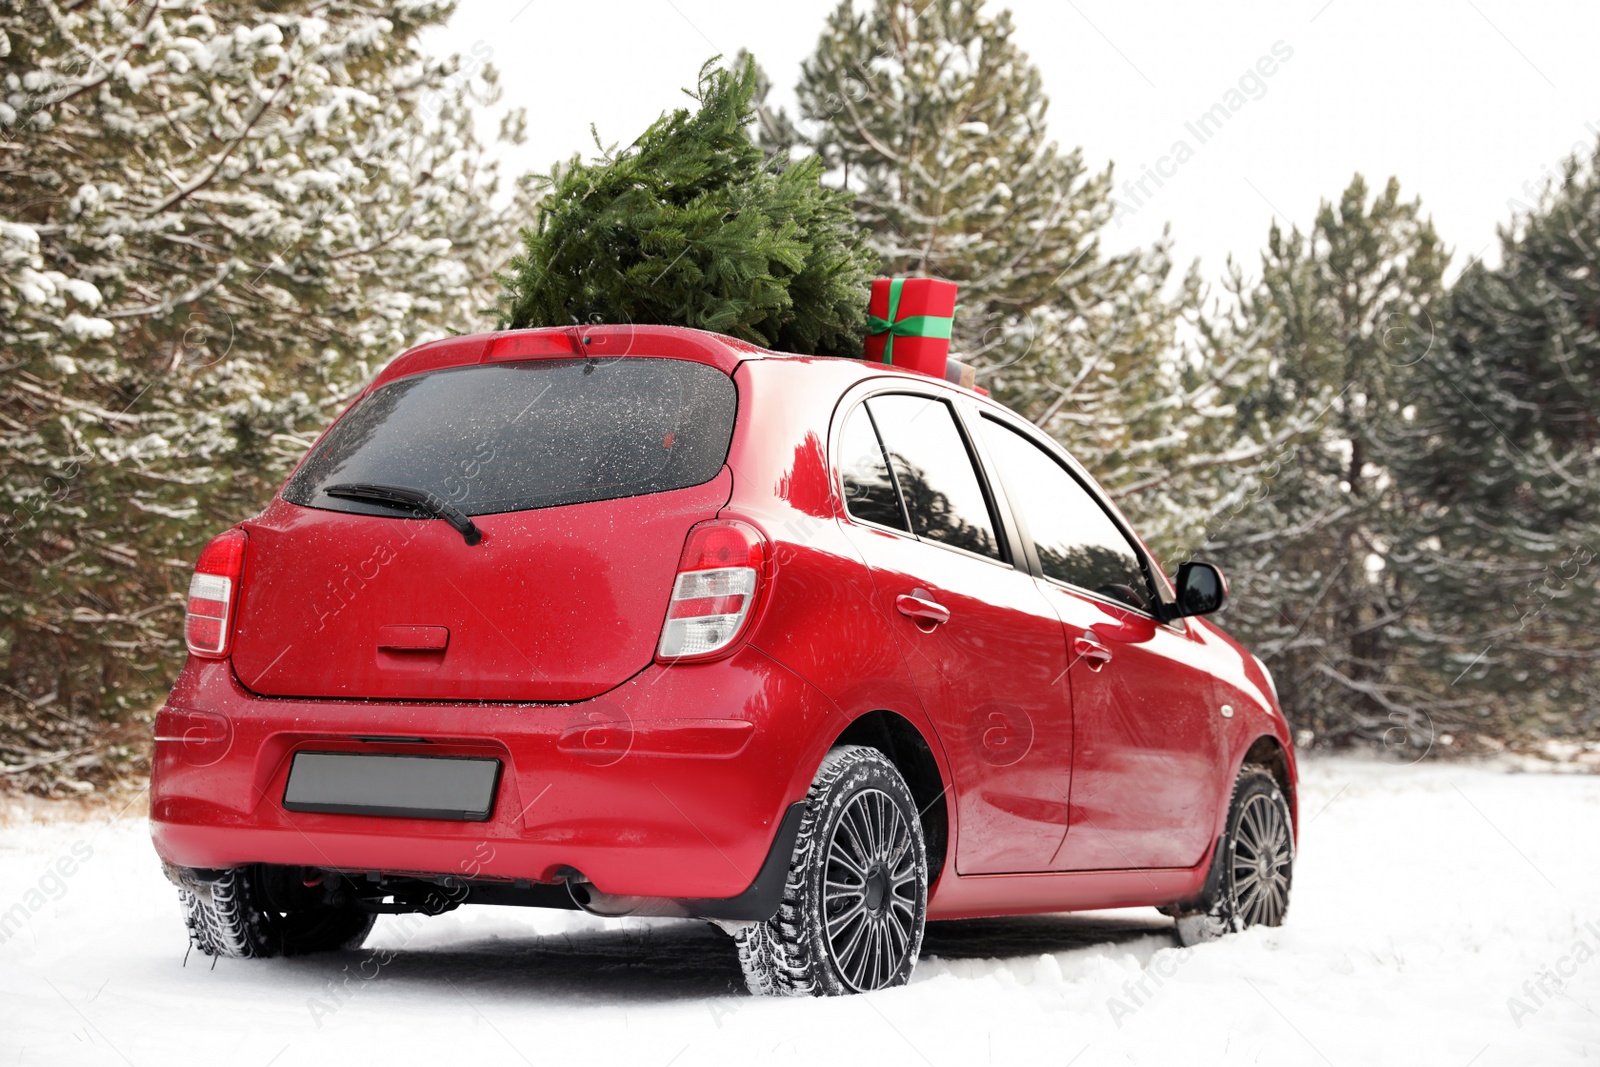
x: 607, y: 342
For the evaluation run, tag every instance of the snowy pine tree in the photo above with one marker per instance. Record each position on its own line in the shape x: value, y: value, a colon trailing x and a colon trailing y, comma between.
x: 215, y: 220
x: 1504, y: 477
x: 1322, y: 591
x: 935, y: 118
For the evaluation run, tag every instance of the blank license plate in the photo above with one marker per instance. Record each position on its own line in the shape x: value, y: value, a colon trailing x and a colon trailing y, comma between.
x: 413, y: 787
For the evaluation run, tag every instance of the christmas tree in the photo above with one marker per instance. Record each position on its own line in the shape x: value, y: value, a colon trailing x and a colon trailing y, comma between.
x: 692, y: 225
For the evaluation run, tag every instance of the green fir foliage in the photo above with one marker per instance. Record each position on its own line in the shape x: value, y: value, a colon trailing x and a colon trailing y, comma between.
x: 692, y: 225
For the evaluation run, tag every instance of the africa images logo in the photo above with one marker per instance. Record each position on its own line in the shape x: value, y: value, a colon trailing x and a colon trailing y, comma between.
x: 1252, y: 85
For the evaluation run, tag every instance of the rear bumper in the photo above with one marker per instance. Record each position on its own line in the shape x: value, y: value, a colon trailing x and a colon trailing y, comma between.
x: 673, y: 785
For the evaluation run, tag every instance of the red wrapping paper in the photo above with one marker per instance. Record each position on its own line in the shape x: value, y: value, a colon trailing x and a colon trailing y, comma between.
x: 919, y: 298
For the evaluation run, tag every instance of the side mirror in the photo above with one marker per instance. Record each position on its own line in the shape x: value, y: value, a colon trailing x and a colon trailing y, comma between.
x: 1201, y: 589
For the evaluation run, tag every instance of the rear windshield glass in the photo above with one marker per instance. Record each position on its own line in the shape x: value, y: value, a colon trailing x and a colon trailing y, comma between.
x: 516, y: 436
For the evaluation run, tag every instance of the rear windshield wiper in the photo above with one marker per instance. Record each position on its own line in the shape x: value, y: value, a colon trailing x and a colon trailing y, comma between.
x: 407, y: 497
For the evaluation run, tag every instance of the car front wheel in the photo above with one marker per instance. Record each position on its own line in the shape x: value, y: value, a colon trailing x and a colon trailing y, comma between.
x: 1254, y: 869
x: 856, y: 897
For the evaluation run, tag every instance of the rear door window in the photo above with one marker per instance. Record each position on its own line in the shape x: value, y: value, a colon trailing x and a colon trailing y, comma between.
x: 502, y: 437
x: 934, y: 471
x: 869, y: 492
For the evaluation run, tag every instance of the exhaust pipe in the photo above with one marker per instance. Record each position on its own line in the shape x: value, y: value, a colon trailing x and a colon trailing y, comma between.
x: 610, y: 906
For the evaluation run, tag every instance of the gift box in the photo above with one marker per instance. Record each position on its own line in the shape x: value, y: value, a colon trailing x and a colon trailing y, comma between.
x: 909, y: 321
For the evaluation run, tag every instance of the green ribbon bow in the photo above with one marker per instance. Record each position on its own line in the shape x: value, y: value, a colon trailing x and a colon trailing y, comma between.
x: 938, y: 326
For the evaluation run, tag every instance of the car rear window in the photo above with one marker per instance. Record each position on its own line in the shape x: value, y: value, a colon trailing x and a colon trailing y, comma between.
x: 537, y: 434
x: 937, y: 481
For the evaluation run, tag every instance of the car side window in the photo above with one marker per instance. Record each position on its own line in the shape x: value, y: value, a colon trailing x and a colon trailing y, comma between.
x: 1076, y: 539
x: 869, y: 492
x: 937, y: 481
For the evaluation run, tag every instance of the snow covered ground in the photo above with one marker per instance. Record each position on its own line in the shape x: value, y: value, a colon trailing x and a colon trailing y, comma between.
x: 1442, y: 915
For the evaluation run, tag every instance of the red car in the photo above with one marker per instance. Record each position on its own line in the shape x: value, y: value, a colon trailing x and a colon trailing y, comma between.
x: 644, y: 620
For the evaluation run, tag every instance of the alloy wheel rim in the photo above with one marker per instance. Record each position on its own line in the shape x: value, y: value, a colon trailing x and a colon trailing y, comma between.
x: 869, y: 891
x: 1262, y: 856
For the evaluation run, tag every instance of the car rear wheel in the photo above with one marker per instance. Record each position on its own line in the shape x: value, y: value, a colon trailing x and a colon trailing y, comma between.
x: 1254, y: 868
x: 228, y: 915
x: 856, y: 897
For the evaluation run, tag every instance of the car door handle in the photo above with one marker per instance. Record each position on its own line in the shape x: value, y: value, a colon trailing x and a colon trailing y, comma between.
x: 1092, y: 652
x: 922, y: 609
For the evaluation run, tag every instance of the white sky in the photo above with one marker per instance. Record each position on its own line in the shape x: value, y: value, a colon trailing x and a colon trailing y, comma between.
x: 1463, y: 100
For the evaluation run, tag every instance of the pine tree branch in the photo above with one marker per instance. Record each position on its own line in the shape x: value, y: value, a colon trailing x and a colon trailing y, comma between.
x: 216, y: 167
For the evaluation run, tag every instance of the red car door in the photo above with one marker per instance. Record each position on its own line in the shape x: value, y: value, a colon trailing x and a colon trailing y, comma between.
x: 983, y: 647
x: 1147, y: 743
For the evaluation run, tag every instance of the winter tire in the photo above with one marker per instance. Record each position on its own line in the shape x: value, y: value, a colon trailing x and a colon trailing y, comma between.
x: 1254, y: 869
x: 226, y: 917
x: 856, y: 896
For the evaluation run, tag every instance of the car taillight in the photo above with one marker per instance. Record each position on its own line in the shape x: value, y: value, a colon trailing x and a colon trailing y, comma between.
x: 720, y: 576
x: 521, y: 345
x: 212, y: 593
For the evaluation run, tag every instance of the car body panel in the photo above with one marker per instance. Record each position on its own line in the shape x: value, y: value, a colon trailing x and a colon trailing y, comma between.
x: 1147, y: 741
x: 635, y: 789
x: 993, y: 681
x: 555, y: 604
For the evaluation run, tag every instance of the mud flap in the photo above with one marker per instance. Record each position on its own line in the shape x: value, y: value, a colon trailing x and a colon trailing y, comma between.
x: 760, y: 902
